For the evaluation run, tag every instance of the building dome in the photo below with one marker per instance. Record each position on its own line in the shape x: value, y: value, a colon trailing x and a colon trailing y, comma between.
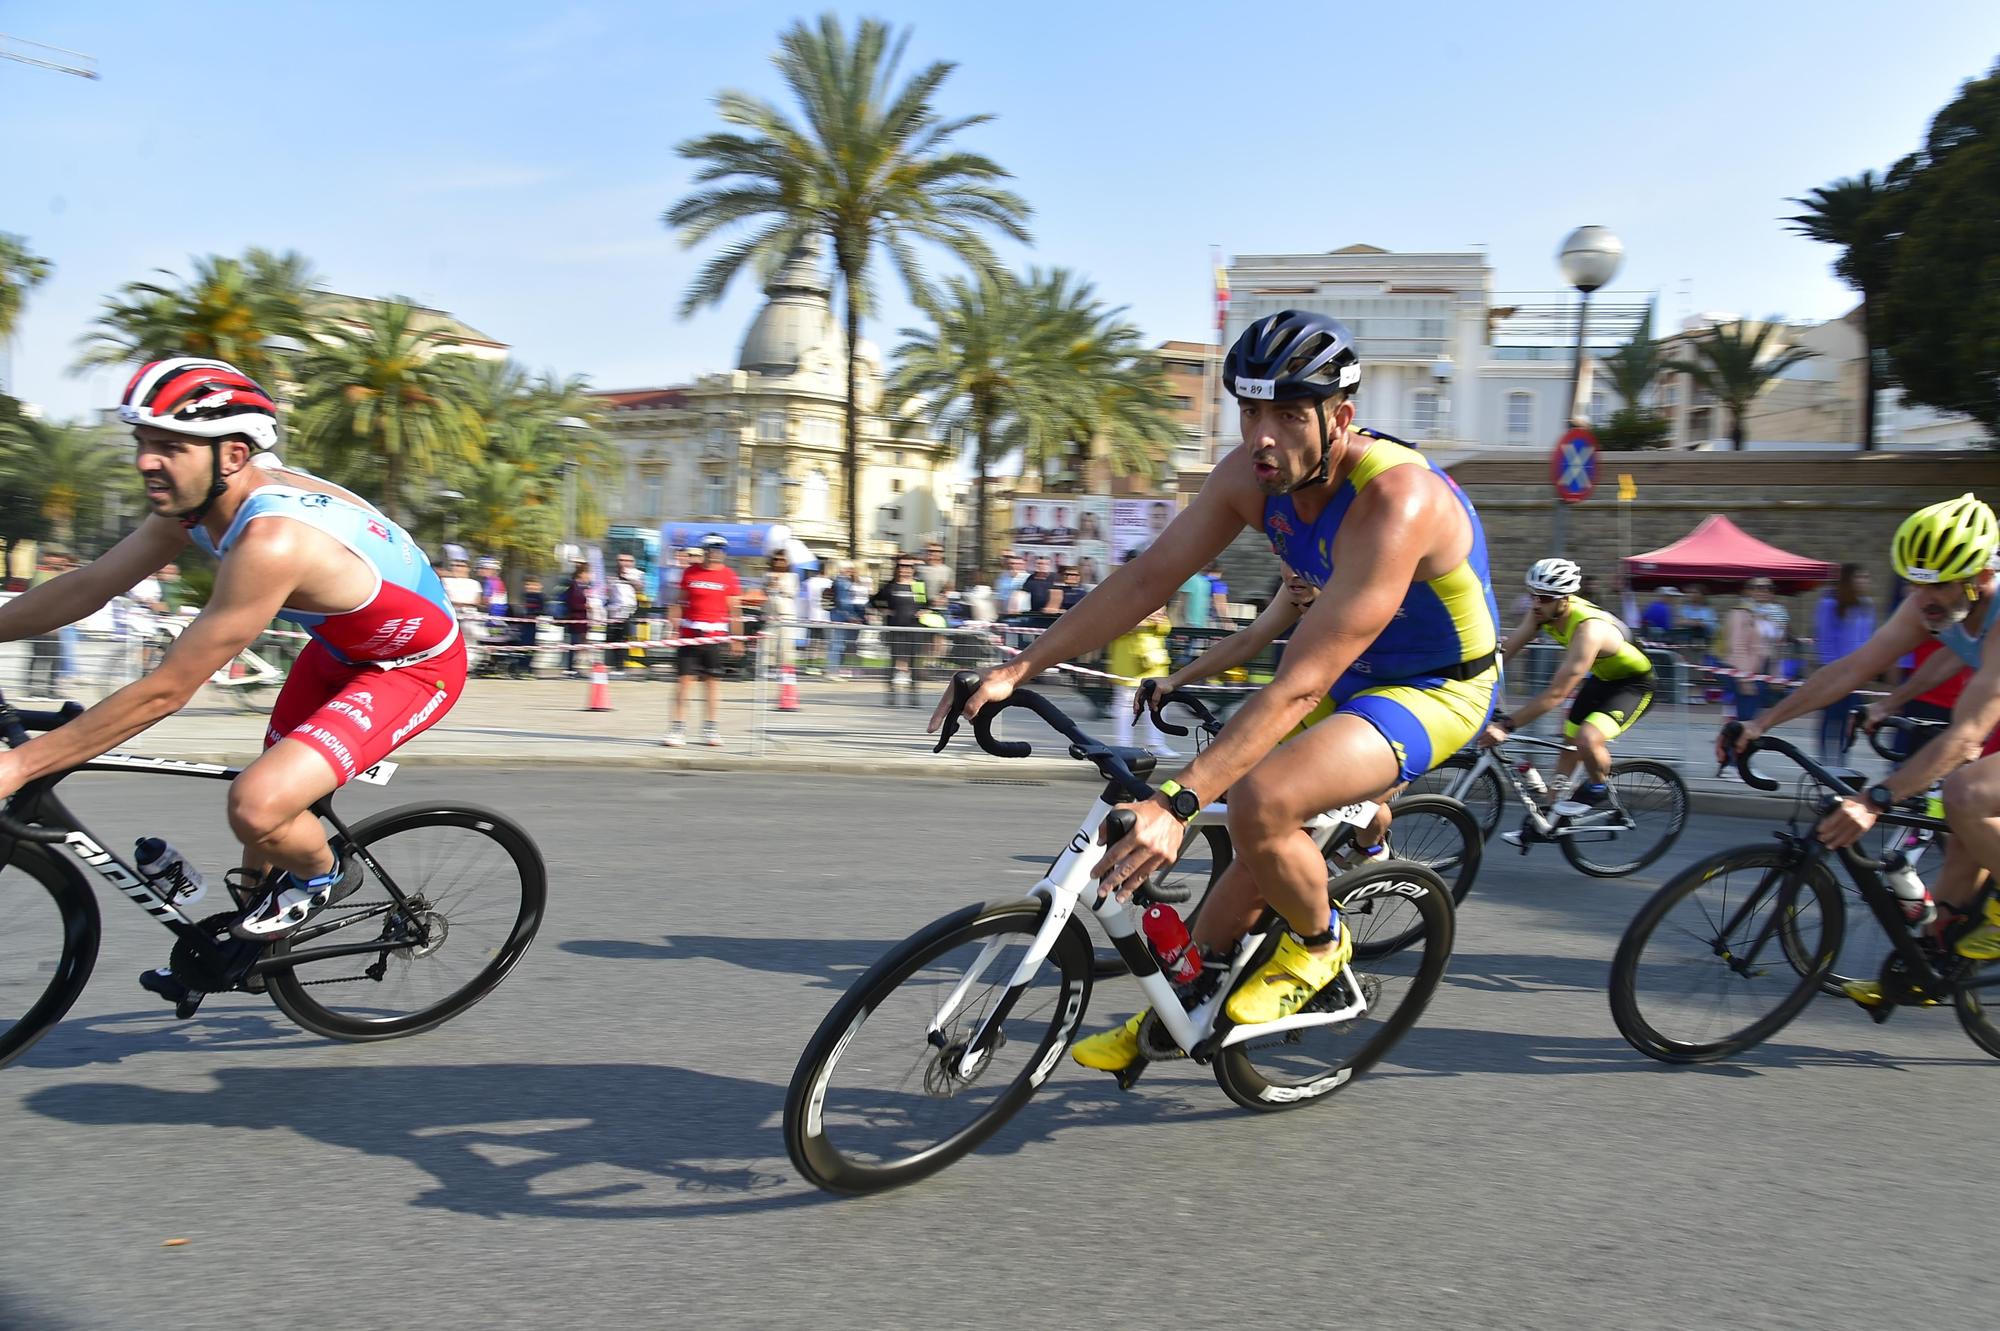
x: 797, y: 320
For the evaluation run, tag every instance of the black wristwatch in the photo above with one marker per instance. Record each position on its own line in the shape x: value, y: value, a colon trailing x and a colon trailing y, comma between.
x: 1881, y: 797
x: 1184, y: 802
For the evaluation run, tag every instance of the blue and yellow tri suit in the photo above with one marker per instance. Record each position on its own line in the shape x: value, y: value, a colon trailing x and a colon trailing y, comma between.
x: 1430, y: 679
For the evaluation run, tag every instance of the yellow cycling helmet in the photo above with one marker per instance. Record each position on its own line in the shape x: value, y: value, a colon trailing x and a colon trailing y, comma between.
x: 1947, y: 542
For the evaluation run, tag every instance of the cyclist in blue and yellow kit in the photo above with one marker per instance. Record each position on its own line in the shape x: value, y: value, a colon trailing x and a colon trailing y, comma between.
x: 1397, y: 659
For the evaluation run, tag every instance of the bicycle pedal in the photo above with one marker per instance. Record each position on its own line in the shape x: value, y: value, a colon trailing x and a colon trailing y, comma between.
x: 188, y: 1006
x: 1128, y: 1076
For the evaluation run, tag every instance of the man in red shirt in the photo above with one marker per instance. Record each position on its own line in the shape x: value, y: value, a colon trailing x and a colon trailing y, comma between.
x: 710, y: 612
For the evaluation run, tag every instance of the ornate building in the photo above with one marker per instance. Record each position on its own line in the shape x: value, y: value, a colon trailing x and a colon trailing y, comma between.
x: 763, y: 442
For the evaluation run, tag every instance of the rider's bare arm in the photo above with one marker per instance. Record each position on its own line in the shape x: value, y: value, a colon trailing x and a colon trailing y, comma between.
x: 1899, y: 634
x: 1518, y: 637
x: 1386, y: 537
x: 1975, y: 716
x: 1240, y: 646
x: 1592, y: 639
x: 83, y: 591
x: 250, y: 588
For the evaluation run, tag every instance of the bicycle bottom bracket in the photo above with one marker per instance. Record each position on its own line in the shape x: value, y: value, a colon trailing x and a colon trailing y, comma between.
x: 225, y: 963
x: 1154, y: 1041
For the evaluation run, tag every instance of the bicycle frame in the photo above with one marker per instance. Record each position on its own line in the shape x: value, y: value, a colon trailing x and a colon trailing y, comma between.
x: 1064, y: 884
x: 1497, y: 761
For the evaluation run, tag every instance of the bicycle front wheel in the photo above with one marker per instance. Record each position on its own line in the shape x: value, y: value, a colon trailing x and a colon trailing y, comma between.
x: 1724, y: 955
x: 1485, y: 798
x: 47, y: 949
x: 1441, y: 834
x: 1391, y: 989
x: 1648, y: 809
x: 473, y: 889
x: 881, y: 1096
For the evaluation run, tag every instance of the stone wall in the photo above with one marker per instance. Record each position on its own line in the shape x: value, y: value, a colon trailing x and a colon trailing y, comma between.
x: 1834, y: 506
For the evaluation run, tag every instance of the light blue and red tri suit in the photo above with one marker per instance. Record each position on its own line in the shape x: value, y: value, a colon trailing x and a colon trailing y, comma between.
x: 373, y: 677
x: 1430, y: 680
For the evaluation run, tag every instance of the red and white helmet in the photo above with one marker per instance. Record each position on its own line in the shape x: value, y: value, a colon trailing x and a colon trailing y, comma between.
x: 206, y: 398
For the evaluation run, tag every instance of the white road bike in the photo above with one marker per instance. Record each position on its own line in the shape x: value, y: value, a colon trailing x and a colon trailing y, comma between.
x: 953, y: 1030
x: 247, y: 679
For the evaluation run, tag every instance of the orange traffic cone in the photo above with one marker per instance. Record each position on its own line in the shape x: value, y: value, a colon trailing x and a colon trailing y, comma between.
x: 788, y: 689
x: 600, y: 688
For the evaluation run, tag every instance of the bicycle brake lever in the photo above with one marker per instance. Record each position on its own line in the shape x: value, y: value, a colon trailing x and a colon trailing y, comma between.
x: 1148, y: 693
x: 962, y: 685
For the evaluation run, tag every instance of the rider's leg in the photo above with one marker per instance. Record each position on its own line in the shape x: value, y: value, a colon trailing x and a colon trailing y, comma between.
x: 270, y: 809
x: 1972, y: 807
x: 1594, y: 749
x: 1960, y: 876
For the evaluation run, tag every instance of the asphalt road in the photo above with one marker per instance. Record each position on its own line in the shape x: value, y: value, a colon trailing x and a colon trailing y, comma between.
x: 597, y: 1144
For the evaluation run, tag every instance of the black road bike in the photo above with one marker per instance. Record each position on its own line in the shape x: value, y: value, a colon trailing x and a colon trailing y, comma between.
x: 458, y: 893
x: 1735, y: 946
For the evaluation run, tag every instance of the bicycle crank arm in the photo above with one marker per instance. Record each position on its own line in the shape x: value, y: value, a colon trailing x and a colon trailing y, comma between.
x: 1298, y: 1021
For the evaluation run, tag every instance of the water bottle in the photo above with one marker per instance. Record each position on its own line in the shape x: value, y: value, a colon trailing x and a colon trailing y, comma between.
x: 1531, y: 777
x: 169, y: 871
x: 1168, y: 934
x: 1918, y: 907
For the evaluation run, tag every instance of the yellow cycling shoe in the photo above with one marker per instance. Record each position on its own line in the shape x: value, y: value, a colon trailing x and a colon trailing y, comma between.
x: 1110, y: 1051
x: 1982, y: 941
x: 1868, y: 993
x: 1288, y: 980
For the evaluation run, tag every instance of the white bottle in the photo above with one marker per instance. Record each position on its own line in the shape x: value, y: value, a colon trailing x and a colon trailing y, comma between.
x: 1531, y: 776
x: 169, y: 871
x: 1918, y: 907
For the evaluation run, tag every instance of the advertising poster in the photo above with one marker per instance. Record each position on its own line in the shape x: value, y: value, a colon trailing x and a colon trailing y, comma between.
x: 1137, y: 523
x: 1067, y: 529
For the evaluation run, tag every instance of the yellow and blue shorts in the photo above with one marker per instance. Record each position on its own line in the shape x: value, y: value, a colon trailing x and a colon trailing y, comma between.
x: 1609, y: 706
x: 1425, y: 720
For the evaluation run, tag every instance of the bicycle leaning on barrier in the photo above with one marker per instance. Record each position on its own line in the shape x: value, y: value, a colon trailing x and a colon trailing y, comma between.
x: 954, y: 1029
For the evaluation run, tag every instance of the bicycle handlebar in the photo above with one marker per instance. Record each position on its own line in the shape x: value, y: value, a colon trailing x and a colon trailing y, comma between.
x: 1081, y: 745
x: 1909, y: 727
x: 1784, y: 748
x: 14, y: 728
x: 1149, y: 691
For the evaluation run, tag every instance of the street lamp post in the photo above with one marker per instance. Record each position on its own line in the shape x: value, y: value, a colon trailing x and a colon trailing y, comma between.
x: 1589, y: 258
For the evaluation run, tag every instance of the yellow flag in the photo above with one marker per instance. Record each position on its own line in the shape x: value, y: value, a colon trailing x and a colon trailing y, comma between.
x: 1627, y: 489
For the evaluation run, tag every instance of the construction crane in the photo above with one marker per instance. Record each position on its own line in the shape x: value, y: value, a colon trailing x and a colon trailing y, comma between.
x: 43, y: 56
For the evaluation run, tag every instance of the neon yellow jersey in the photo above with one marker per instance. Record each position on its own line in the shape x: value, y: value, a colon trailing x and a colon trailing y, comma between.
x: 1628, y: 660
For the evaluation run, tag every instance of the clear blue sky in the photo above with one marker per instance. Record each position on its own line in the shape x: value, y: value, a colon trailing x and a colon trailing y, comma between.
x: 509, y: 161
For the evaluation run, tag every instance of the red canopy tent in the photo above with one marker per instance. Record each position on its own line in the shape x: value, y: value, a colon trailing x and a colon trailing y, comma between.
x: 1720, y: 553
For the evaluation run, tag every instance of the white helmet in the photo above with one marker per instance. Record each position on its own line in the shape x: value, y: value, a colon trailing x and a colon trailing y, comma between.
x: 1555, y: 577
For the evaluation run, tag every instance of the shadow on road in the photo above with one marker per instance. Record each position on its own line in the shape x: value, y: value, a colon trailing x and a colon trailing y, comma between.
x: 112, y: 1037
x: 828, y: 962
x: 598, y: 1141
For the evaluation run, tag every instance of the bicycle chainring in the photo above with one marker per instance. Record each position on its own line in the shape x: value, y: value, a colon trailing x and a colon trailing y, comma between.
x: 1154, y: 1041
x: 1899, y: 986
x: 221, y: 972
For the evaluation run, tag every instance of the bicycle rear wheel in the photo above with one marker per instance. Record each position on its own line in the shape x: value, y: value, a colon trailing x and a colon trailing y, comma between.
x: 474, y: 887
x: 1710, y: 957
x: 1649, y: 809
x: 47, y: 949
x: 878, y: 1098
x: 1441, y: 834
x: 1297, y: 1067
x: 1485, y: 798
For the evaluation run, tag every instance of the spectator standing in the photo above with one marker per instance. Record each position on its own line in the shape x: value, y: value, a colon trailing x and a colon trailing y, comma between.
x: 936, y: 575
x: 1138, y: 655
x: 1197, y: 601
x: 1013, y: 572
x: 1656, y: 621
x: 534, y: 605
x: 576, y: 599
x: 1037, y: 585
x: 900, y: 605
x: 1697, y: 618
x: 1069, y: 591
x: 710, y: 616
x: 621, y: 609
x: 1218, y: 594
x: 1749, y: 647
x: 817, y: 601
x: 847, y: 603
x: 781, y: 612
x: 1846, y: 620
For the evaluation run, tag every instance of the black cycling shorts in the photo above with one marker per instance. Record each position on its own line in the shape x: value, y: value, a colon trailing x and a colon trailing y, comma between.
x: 1610, y: 706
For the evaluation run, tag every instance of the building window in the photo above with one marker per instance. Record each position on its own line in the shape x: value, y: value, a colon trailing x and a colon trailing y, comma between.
x: 771, y: 426
x: 895, y: 487
x: 1599, y: 406
x: 715, y: 436
x: 1520, y: 416
x: 656, y: 491
x: 1424, y: 414
x: 812, y: 499
x: 713, y: 499
x: 770, y: 504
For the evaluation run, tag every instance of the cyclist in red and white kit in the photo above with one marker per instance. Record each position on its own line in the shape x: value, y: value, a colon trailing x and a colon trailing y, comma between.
x: 384, y: 664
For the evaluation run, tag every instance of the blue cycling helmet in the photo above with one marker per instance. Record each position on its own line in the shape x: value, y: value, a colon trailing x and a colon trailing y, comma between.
x: 1295, y: 354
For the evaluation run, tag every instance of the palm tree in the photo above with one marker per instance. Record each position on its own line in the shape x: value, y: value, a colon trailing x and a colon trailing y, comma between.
x: 383, y: 403
x: 64, y: 481
x: 1851, y: 213
x: 1636, y: 366
x: 869, y: 168
x: 20, y: 273
x: 508, y: 511
x: 229, y: 309
x: 1736, y: 362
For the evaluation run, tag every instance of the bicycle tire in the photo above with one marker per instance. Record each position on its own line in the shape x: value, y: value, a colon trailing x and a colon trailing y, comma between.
x: 1455, y: 857
x: 41, y: 1006
x: 1975, y: 1018
x: 1850, y: 963
x: 817, y: 1154
x: 1643, y: 1033
x: 1485, y: 799
x: 1290, y: 1079
x: 296, y: 990
x: 1672, y: 791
